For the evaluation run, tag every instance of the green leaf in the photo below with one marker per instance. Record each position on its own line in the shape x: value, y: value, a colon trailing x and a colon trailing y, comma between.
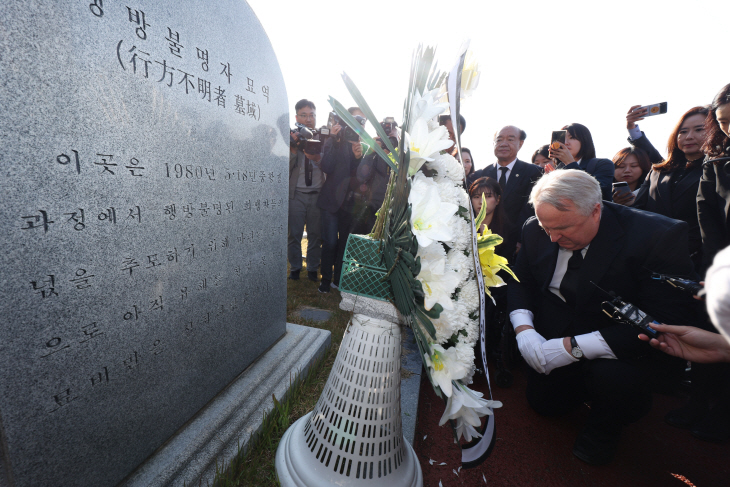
x: 482, y: 214
x: 354, y: 125
x: 434, y: 312
x: 360, y: 100
x: 489, y: 241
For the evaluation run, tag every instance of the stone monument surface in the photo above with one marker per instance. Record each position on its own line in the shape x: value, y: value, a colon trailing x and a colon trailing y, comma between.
x: 144, y: 188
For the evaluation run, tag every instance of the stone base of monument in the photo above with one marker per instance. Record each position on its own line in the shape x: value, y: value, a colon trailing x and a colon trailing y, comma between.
x: 226, y: 424
x: 354, y: 435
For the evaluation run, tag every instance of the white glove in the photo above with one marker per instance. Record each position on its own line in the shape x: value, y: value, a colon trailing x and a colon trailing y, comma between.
x: 530, y: 344
x: 556, y: 355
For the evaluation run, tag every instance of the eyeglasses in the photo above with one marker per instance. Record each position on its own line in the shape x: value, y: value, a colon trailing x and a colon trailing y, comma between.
x: 306, y: 116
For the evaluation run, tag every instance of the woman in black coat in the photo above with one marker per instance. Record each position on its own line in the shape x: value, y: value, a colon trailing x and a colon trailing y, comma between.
x: 578, y: 152
x: 713, y: 196
x: 670, y: 189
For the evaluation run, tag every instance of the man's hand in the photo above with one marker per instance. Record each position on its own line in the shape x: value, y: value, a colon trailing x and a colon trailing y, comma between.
x: 292, y: 147
x: 530, y: 344
x: 690, y: 343
x: 626, y: 199
x: 335, y: 130
x: 313, y: 157
x: 556, y: 354
x: 562, y: 153
x: 356, y: 149
x: 634, y: 116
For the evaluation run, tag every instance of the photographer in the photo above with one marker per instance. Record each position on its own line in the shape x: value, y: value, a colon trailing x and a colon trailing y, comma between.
x: 372, y: 174
x: 340, y: 159
x: 305, y: 181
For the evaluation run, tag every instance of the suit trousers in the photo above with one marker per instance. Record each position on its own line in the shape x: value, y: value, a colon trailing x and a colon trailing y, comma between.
x: 303, y: 212
x: 618, y: 390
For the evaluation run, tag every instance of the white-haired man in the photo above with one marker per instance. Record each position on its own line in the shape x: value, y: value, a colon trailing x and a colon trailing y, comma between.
x: 576, y: 352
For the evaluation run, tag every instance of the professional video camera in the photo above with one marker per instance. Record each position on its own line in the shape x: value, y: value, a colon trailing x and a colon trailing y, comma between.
x: 309, y: 140
x: 626, y: 313
x: 347, y: 133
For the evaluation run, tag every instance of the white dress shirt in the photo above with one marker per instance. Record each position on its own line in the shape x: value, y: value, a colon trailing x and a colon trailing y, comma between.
x: 508, y: 173
x: 592, y: 344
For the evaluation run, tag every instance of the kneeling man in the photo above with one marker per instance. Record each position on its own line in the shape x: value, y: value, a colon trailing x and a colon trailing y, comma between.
x: 575, y: 351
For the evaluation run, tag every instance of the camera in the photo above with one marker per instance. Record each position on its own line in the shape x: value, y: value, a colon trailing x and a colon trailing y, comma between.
x: 347, y: 133
x: 309, y: 140
x: 388, y: 124
x: 393, y: 142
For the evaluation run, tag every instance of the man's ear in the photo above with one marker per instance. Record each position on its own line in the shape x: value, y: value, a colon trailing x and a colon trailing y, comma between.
x: 520, y: 147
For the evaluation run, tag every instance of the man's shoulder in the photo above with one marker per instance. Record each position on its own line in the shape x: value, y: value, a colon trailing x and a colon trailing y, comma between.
x: 639, y: 222
x: 527, y: 167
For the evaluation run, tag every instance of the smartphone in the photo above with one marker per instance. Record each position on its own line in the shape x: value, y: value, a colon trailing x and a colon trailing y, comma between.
x: 558, y: 136
x: 656, y: 109
x: 622, y: 187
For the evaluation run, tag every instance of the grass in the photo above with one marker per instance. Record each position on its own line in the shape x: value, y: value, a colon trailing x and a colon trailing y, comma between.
x: 255, y: 466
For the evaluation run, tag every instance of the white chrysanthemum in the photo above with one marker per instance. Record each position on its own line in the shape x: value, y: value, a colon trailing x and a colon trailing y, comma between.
x: 439, y: 280
x: 425, y: 107
x: 450, y: 321
x: 472, y: 332
x: 452, y: 193
x: 425, y: 145
x: 447, y: 167
x: 461, y: 263
x: 469, y: 294
x: 445, y: 367
x: 465, y: 356
x: 430, y: 217
x: 461, y: 231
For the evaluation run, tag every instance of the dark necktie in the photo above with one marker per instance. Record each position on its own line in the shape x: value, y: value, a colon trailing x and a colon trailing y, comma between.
x: 503, y: 177
x: 307, y: 171
x: 569, y: 284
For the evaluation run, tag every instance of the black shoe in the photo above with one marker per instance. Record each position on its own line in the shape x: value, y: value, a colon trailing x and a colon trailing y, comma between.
x: 324, y: 286
x: 688, y: 415
x: 294, y: 275
x: 715, y: 426
x: 596, y: 447
x: 312, y: 276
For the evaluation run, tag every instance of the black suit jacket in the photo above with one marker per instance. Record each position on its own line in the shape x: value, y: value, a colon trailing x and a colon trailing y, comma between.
x: 680, y: 202
x: 713, y: 210
x: 515, y: 195
x: 601, y: 169
x: 630, y: 244
x: 339, y: 164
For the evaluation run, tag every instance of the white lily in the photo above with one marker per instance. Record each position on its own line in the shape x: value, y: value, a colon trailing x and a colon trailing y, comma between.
x: 425, y: 145
x: 426, y: 107
x: 439, y: 281
x: 430, y: 217
x: 469, y: 75
x: 445, y: 367
x: 466, y: 407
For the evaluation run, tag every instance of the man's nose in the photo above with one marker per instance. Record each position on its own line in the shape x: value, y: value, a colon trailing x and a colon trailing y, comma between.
x: 554, y: 236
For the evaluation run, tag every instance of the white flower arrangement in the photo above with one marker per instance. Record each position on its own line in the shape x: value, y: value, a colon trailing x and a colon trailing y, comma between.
x: 425, y: 227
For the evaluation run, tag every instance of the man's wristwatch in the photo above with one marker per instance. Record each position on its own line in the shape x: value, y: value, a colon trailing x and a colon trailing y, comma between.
x: 575, y: 349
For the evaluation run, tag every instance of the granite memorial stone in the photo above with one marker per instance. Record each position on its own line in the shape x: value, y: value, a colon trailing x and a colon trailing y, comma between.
x: 143, y: 225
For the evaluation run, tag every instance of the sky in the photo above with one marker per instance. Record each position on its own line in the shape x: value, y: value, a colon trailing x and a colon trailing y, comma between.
x: 543, y: 64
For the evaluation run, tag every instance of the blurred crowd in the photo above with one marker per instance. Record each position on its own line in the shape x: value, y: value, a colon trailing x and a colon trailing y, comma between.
x: 604, y: 250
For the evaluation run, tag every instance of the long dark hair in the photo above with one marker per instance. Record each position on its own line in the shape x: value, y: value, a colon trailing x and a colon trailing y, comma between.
x: 490, y: 185
x: 676, y: 156
x: 716, y: 142
x: 464, y: 149
x: 641, y: 156
x: 587, y: 149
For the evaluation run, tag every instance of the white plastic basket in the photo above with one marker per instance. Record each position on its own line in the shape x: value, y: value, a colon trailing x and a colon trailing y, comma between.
x: 354, y: 435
